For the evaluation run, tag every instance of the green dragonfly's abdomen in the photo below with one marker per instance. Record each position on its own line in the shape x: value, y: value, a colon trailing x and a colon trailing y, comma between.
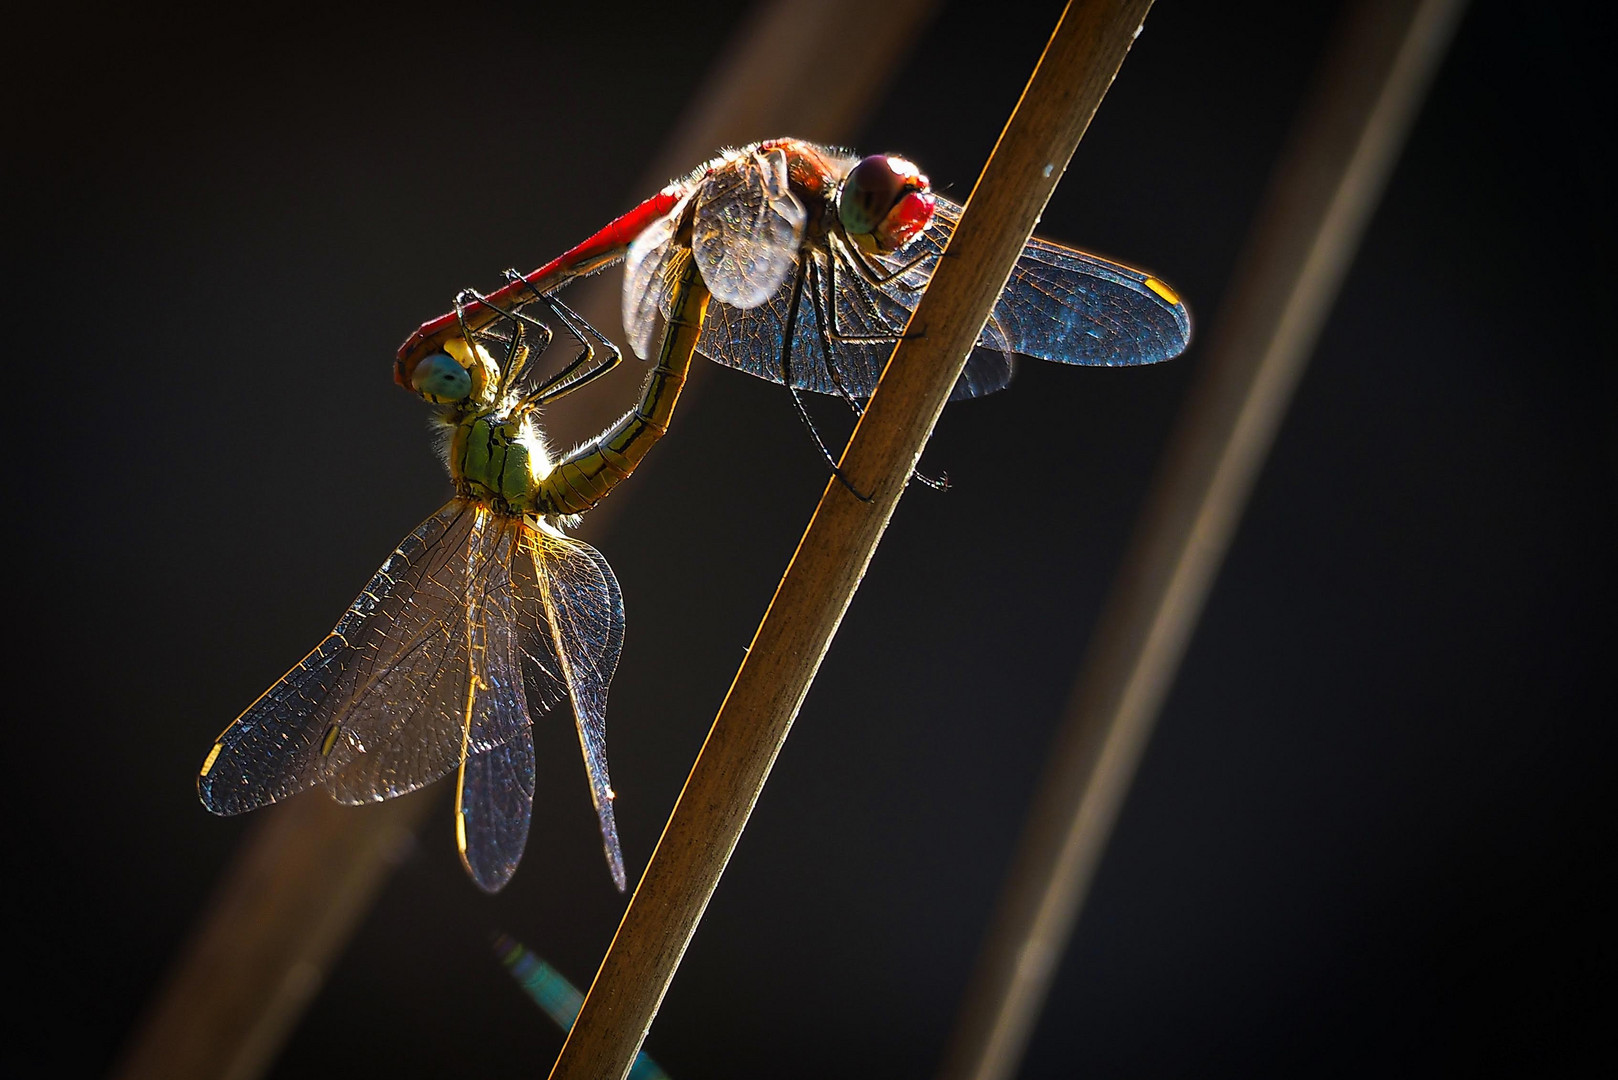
x: 579, y: 482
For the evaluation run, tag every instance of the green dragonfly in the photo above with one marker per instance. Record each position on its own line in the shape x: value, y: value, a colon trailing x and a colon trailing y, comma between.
x: 486, y: 616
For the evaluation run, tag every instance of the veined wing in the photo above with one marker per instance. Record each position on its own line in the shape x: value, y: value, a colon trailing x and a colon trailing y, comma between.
x: 645, y: 278
x: 494, y: 804
x: 1064, y: 305
x: 747, y: 228
x: 571, y: 617
x: 834, y: 335
x: 380, y: 707
x: 494, y: 794
x: 843, y: 330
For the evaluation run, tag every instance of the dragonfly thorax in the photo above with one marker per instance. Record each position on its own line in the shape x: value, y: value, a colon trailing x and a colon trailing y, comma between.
x: 499, y: 460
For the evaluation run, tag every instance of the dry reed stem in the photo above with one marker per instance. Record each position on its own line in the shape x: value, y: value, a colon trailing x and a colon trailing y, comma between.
x: 1078, y: 66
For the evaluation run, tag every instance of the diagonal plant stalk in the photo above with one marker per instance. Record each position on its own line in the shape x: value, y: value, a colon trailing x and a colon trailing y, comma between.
x: 1067, y: 86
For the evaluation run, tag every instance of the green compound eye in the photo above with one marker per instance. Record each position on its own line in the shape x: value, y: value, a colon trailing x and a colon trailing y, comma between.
x: 440, y: 379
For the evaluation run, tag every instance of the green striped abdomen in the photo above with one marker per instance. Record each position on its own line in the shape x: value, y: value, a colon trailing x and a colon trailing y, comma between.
x: 591, y: 471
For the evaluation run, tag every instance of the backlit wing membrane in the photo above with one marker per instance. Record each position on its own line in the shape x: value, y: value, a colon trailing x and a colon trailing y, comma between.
x: 1064, y: 305
x: 494, y: 799
x: 1060, y: 304
x: 379, y: 707
x: 757, y: 339
x: 572, y: 631
x: 844, y: 330
x: 411, y: 718
x: 747, y: 229
x: 645, y: 273
x: 474, y: 622
x: 494, y: 804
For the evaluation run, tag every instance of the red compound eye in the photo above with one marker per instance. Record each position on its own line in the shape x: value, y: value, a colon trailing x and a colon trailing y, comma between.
x: 905, y: 220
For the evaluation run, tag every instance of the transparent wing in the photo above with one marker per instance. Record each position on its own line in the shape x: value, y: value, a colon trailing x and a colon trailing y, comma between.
x: 758, y: 341
x: 572, y: 630
x: 1064, y: 305
x: 1059, y: 304
x: 644, y: 277
x: 494, y: 806
x: 495, y: 796
x: 379, y: 707
x: 747, y: 228
x: 843, y: 329
x: 413, y: 718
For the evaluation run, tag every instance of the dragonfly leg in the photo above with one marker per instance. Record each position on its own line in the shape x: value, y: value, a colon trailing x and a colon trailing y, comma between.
x: 827, y: 335
x: 519, y: 349
x: 890, y: 334
x: 880, y: 276
x: 569, y: 378
x: 460, y: 319
x: 786, y: 377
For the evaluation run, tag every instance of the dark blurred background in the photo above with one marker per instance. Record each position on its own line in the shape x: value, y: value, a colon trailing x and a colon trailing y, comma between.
x: 1374, y: 829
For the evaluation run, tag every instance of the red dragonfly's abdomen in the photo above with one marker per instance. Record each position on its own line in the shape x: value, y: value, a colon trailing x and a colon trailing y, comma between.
x: 606, y: 246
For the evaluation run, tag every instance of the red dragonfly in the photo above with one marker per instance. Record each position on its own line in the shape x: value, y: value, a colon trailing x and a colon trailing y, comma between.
x: 815, y: 259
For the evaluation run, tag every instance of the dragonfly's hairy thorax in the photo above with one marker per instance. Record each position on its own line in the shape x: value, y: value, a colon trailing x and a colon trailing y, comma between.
x: 813, y: 173
x: 499, y: 460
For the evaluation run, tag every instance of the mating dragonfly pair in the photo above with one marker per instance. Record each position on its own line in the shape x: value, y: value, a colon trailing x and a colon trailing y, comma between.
x: 795, y: 262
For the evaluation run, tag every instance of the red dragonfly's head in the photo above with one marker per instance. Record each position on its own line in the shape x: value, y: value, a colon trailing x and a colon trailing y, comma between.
x: 884, y: 201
